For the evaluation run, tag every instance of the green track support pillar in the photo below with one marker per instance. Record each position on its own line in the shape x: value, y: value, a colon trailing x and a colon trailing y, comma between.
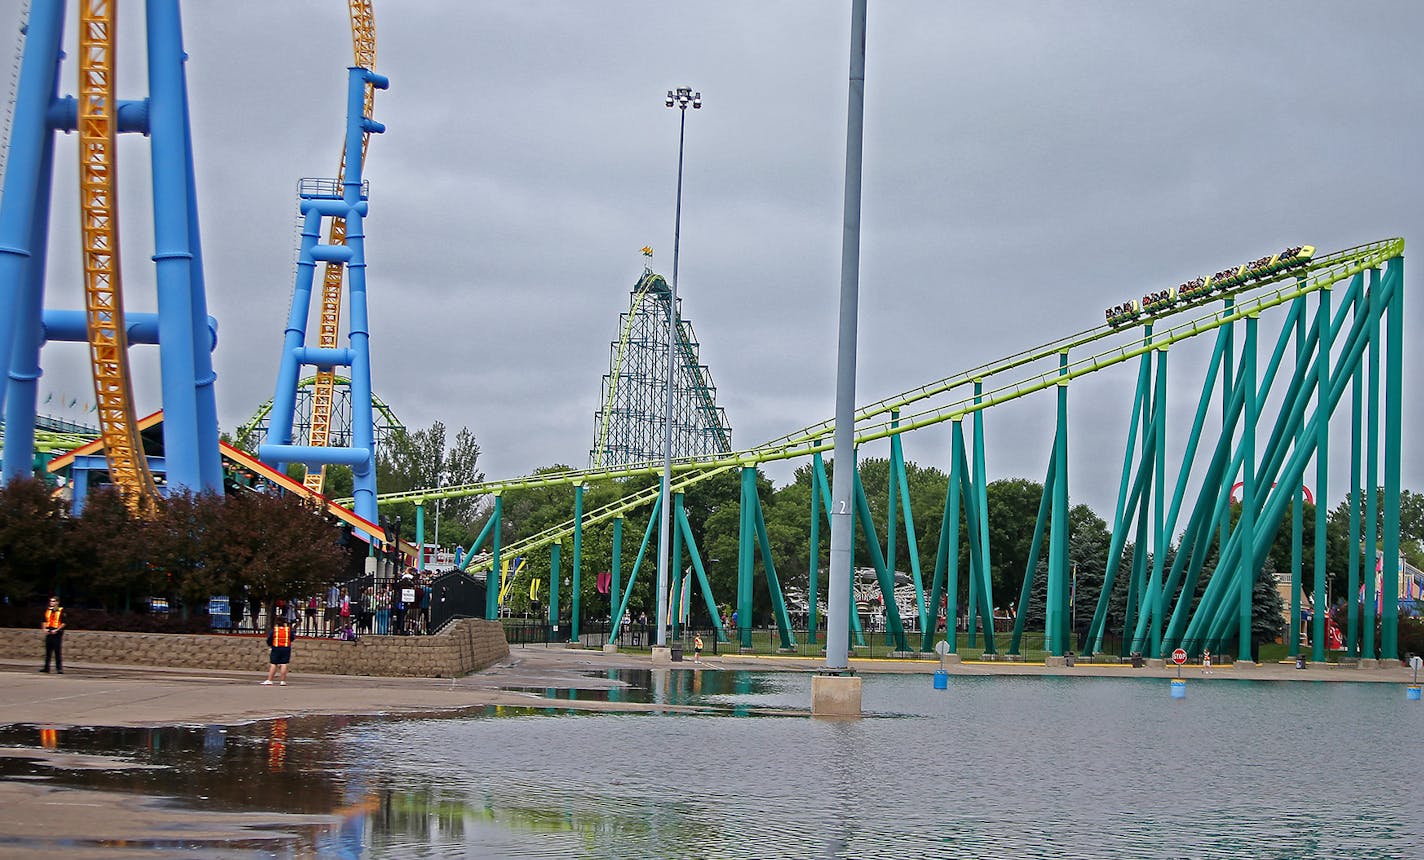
x: 1393, y: 440
x: 554, y: 590
x: 773, y: 582
x: 1297, y: 523
x: 420, y: 536
x: 894, y: 627
x: 707, y: 597
x: 1372, y: 439
x: 615, y: 573
x: 492, y: 579
x: 637, y: 562
x: 675, y: 604
x: 1054, y: 622
x: 575, y: 601
x: 1246, y: 575
x: 746, y: 542
x: 1045, y: 504
x: 1352, y: 592
x: 947, y: 554
x: 1322, y: 476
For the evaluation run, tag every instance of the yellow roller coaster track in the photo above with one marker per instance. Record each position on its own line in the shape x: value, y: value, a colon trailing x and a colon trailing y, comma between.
x: 99, y: 227
x: 363, y: 45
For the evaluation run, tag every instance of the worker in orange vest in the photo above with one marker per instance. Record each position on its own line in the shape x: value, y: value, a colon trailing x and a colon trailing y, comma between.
x: 53, y: 627
x: 279, y: 639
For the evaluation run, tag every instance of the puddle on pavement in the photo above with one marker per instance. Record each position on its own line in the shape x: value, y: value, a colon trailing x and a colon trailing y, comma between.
x: 320, y: 765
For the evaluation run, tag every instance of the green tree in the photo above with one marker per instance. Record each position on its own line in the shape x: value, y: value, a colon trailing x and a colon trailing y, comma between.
x: 34, y: 531
x: 422, y: 460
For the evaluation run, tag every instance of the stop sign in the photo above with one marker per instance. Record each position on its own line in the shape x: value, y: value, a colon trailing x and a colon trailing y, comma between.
x: 1179, y: 656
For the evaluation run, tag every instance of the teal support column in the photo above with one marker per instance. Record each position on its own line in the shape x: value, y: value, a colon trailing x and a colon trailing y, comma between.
x: 576, y: 599
x: 1031, y: 568
x: 912, y: 545
x: 615, y: 574
x: 942, y: 551
x: 1123, y: 512
x: 1228, y: 376
x: 1373, y: 563
x: 894, y: 627
x: 493, y: 583
x: 1147, y: 633
x: 1054, y: 625
x: 951, y: 531
x: 1322, y: 475
x: 773, y: 583
x: 984, y: 596
x: 746, y: 537
x: 1352, y: 590
x: 1297, y: 522
x: 708, y: 598
x: 892, y: 513
x: 1247, y: 573
x: 653, y: 520
x: 676, y: 567
x: 813, y: 573
x: 554, y: 591
x: 1393, y: 440
x: 981, y: 484
x: 420, y: 536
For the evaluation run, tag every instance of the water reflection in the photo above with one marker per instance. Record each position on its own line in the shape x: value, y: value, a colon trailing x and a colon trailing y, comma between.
x: 990, y: 767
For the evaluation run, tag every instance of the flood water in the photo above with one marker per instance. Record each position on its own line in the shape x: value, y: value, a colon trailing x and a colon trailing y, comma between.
x: 1032, y: 766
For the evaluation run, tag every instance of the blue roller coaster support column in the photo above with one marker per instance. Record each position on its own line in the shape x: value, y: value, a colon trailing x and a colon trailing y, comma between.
x: 25, y: 370
x: 1393, y: 433
x: 814, y: 566
x: 1054, y: 622
x: 190, y: 448
x: 1372, y: 439
x: 24, y: 218
x: 1246, y: 575
x: 575, y: 602
x: 615, y: 585
x: 351, y: 207
x: 1322, y: 474
x: 492, y: 579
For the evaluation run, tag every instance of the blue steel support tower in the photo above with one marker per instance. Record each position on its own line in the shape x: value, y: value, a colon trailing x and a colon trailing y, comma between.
x: 184, y: 330
x: 319, y: 199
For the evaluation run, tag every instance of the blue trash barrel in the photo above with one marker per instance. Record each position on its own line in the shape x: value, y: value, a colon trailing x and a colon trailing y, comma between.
x: 1411, y: 693
x: 941, y: 680
x: 1179, y: 688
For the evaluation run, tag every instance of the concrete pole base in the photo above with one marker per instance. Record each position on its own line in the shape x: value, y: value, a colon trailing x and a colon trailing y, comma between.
x: 662, y: 655
x: 1051, y: 662
x: 835, y: 696
x: 1156, y: 663
x: 1244, y: 664
x: 1370, y: 663
x: 950, y: 660
x: 610, y: 648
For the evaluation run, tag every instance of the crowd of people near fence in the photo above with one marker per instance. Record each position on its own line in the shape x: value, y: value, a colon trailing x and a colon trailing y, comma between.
x: 393, y: 608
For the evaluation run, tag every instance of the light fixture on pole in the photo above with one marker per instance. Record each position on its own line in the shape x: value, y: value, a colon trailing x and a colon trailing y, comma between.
x: 681, y: 98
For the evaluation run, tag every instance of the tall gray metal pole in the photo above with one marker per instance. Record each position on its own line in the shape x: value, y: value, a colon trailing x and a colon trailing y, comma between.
x: 843, y: 477
x: 682, y: 99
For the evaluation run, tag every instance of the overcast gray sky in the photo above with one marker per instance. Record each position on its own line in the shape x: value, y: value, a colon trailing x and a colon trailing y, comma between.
x: 1027, y: 165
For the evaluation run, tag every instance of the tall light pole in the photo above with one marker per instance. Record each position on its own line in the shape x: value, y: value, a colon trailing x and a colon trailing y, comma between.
x: 680, y: 98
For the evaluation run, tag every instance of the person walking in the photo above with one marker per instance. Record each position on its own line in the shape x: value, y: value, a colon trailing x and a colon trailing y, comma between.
x: 1206, y: 662
x: 697, y: 649
x: 279, y: 639
x: 53, y: 627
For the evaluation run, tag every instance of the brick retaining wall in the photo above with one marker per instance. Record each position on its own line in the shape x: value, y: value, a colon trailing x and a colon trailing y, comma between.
x: 464, y: 646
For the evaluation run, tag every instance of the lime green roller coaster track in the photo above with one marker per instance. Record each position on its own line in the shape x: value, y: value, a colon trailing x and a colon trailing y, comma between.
x: 1005, y: 380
